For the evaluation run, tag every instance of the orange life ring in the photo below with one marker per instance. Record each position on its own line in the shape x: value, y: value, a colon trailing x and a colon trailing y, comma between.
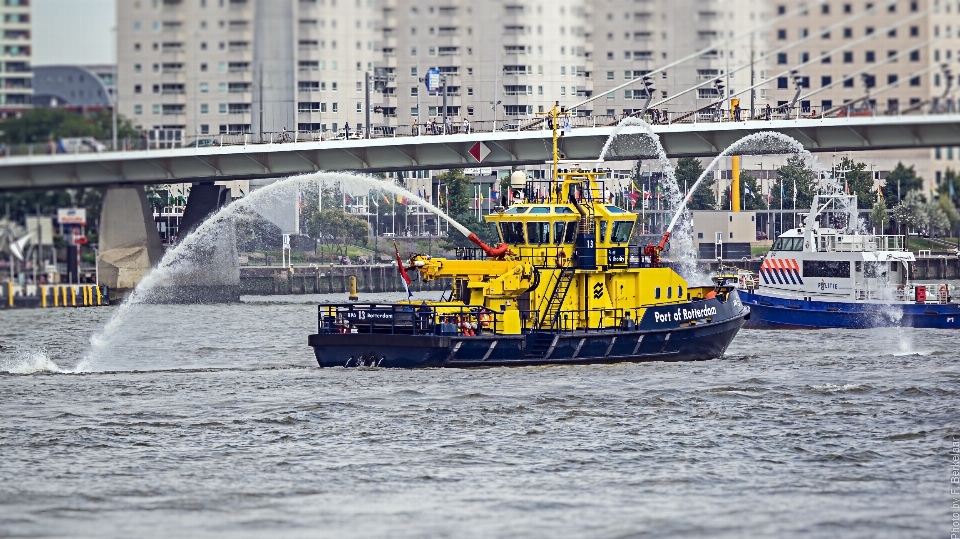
x: 561, y: 258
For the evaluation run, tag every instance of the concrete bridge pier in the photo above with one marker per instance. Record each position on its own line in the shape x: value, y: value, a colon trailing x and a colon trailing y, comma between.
x: 206, y: 271
x: 129, y: 241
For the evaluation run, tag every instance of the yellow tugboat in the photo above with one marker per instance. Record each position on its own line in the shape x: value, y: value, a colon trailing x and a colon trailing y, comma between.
x: 563, y: 286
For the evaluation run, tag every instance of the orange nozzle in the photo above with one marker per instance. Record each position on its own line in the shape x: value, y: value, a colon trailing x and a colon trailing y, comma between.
x: 492, y: 252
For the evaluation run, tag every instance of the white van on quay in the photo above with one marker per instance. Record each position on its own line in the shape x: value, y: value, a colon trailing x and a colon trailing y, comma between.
x: 80, y: 145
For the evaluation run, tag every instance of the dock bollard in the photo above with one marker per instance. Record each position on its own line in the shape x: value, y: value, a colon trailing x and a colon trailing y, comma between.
x: 353, y: 289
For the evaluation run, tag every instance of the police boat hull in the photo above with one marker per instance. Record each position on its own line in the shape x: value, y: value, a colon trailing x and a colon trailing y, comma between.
x: 771, y: 312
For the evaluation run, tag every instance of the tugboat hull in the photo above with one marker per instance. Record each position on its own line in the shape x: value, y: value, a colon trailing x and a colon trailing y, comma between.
x: 783, y: 313
x: 682, y: 341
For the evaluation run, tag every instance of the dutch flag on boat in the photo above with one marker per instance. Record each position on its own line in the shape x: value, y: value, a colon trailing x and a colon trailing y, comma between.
x: 404, y: 278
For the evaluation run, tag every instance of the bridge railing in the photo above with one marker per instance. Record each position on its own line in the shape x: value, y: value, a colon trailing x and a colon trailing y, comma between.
x: 434, y: 128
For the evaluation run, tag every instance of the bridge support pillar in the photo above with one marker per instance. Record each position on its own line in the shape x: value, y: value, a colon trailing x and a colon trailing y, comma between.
x: 206, y: 269
x: 129, y: 241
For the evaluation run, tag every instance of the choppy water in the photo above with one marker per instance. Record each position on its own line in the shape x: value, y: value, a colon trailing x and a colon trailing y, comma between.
x: 215, y: 421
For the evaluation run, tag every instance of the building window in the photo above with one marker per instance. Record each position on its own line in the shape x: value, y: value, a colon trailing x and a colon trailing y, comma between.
x: 848, y: 82
x: 204, y: 108
x: 781, y: 58
x: 334, y: 107
x: 204, y: 87
x: 204, y: 129
x: 914, y: 31
x: 359, y: 106
x: 848, y: 57
x: 914, y: 56
x: 781, y: 34
x: 848, y: 32
x: 783, y: 82
x: 825, y: 9
x: 914, y: 81
x: 223, y: 108
x: 137, y: 89
x: 870, y: 57
x: 891, y: 78
x: 138, y: 109
x: 826, y: 80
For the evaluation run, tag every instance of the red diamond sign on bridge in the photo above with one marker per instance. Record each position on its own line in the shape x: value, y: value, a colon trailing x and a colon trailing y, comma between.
x: 479, y: 151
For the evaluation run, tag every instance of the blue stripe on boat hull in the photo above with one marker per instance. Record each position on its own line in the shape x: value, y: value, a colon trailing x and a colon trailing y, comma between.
x: 774, y: 312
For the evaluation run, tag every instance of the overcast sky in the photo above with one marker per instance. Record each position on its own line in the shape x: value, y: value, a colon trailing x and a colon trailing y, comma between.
x: 73, y: 31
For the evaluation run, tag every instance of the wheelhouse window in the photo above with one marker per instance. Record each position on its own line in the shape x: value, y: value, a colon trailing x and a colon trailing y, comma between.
x: 621, y: 232
x: 558, y: 228
x: 512, y: 232
x: 787, y: 244
x: 826, y: 268
x: 571, y: 232
x: 538, y: 232
x: 602, y: 233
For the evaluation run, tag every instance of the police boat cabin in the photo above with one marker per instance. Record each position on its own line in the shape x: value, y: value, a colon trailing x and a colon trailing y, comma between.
x: 564, y: 285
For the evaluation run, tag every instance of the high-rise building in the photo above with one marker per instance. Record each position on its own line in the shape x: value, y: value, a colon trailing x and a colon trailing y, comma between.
x: 502, y: 60
x: 629, y: 40
x: 16, y: 50
x: 194, y: 68
x: 868, y: 58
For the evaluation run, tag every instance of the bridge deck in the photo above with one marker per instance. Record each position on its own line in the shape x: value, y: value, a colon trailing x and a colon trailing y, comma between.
x: 401, y: 153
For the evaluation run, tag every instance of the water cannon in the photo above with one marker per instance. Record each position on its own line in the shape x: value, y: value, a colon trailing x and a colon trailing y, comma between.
x: 654, y: 250
x: 493, y: 252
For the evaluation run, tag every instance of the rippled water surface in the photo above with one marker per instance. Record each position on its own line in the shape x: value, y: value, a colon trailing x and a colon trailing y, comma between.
x: 216, y: 421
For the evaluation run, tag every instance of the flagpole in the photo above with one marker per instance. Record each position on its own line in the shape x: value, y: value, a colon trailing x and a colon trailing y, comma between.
x: 794, y: 203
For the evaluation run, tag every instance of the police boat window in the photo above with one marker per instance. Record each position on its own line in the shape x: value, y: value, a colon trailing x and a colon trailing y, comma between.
x: 614, y: 209
x: 538, y: 232
x: 512, y: 232
x: 777, y: 245
x: 517, y: 209
x: 796, y: 244
x: 540, y: 209
x: 563, y: 209
x: 621, y: 232
x: 571, y: 234
x: 826, y: 268
x: 602, y: 234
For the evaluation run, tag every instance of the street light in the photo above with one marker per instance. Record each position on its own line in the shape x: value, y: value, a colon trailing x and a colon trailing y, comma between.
x: 718, y: 86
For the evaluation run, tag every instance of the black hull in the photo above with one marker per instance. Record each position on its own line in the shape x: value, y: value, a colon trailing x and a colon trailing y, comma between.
x: 691, y: 343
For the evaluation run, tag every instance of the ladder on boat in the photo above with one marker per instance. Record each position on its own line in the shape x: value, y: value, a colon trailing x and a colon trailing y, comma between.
x: 550, y: 309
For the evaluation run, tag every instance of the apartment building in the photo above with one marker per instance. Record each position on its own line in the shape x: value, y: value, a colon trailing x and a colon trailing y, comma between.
x: 502, y: 60
x: 194, y: 68
x: 16, y: 49
x: 872, y: 57
x: 628, y: 40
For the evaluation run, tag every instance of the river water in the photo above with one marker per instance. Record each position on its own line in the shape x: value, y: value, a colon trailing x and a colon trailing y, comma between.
x: 207, y: 421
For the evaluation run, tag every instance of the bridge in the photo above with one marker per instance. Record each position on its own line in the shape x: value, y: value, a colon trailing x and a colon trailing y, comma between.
x: 506, y: 148
x: 129, y: 245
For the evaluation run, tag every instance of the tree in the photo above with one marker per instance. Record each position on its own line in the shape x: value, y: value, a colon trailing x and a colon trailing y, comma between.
x: 935, y: 220
x: 903, y: 180
x: 949, y: 210
x: 42, y: 124
x: 950, y: 187
x: 909, y: 212
x: 794, y: 173
x: 459, y: 191
x: 339, y: 225
x: 879, y: 217
x: 687, y: 171
x: 859, y: 180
